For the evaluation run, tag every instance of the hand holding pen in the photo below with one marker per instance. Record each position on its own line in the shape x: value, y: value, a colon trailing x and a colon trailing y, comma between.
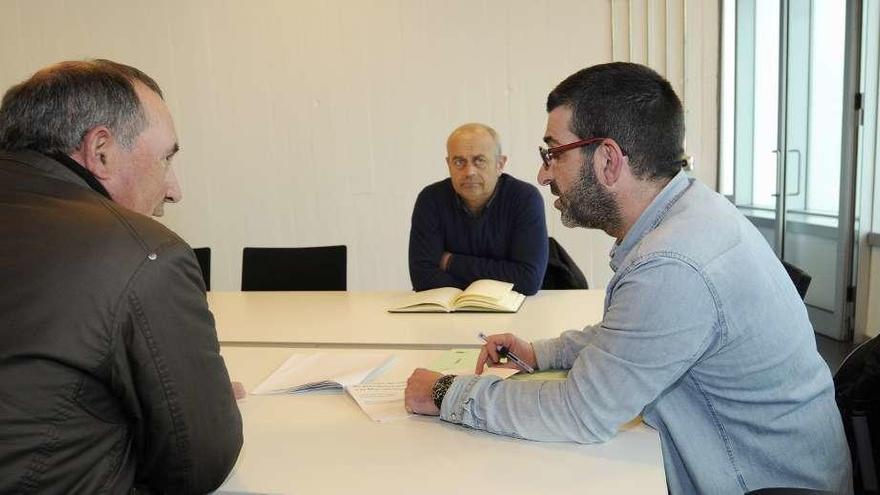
x: 519, y: 353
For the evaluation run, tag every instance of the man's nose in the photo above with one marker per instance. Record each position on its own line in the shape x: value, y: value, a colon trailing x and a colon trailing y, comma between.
x: 173, y: 194
x: 544, y: 175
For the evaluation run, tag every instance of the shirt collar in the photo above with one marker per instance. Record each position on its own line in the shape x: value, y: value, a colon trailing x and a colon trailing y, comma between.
x: 650, y: 218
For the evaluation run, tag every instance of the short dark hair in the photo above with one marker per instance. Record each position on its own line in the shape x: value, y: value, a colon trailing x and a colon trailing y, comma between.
x: 53, y: 110
x: 631, y: 104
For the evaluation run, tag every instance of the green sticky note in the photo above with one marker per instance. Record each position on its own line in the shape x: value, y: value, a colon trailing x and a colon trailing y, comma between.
x: 456, y: 359
x: 466, y: 359
x: 541, y: 375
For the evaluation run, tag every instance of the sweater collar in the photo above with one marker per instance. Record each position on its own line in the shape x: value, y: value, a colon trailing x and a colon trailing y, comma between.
x: 461, y: 204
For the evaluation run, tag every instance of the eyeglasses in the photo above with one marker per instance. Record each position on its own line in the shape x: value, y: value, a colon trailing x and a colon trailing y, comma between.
x: 551, y: 154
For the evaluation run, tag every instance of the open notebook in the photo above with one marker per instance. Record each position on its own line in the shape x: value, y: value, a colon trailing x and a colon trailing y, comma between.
x: 483, y: 296
x: 303, y: 372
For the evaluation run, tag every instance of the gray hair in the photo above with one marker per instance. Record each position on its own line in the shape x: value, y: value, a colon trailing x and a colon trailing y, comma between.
x: 472, y: 127
x: 52, y: 111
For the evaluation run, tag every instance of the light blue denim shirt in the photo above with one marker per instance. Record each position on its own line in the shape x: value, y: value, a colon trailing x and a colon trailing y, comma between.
x: 705, y: 336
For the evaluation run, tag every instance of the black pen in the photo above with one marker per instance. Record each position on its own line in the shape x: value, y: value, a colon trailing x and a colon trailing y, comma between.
x: 508, y: 353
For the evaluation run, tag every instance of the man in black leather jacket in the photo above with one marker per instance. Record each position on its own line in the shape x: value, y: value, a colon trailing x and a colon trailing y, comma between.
x: 110, y: 373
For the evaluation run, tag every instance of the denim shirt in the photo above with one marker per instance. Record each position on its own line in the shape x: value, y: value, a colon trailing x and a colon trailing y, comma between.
x: 705, y: 337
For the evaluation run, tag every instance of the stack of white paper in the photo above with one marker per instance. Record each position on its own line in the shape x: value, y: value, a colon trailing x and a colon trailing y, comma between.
x: 321, y: 370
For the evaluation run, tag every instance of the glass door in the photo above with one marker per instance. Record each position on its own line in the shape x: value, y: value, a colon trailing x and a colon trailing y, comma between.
x: 793, y: 140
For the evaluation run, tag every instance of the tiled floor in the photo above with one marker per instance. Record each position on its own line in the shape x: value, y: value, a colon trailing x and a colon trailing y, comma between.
x: 833, y: 351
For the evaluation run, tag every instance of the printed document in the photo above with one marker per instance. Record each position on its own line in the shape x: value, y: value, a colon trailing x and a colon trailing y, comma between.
x: 303, y: 372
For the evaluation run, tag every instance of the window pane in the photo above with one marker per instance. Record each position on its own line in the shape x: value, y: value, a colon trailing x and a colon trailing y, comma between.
x: 766, y: 104
x: 826, y: 105
x: 728, y: 74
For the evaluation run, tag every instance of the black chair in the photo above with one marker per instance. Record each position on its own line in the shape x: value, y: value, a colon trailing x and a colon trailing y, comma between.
x: 799, y: 277
x: 309, y: 268
x: 203, y: 255
x: 857, y: 390
x: 562, y: 272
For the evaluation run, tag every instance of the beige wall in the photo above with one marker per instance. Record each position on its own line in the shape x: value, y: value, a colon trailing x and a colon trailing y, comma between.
x: 310, y: 122
x: 872, y: 327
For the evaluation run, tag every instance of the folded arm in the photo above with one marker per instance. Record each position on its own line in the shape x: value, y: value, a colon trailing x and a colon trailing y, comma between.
x: 426, y: 248
x: 527, y: 260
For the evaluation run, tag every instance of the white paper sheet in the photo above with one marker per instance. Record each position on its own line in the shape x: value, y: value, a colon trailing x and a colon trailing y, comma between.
x: 320, y: 370
x: 382, y: 401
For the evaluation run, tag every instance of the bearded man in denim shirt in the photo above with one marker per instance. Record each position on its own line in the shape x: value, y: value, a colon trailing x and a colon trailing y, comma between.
x: 703, y: 333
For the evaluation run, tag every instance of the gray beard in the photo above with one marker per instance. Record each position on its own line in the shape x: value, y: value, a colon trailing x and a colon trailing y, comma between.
x: 589, y: 204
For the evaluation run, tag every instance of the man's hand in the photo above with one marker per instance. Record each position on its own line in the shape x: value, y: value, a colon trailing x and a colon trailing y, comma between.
x: 238, y: 390
x: 417, y: 398
x: 444, y: 260
x: 489, y: 355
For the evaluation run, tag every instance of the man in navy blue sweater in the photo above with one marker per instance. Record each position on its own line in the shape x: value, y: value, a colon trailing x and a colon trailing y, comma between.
x: 479, y: 223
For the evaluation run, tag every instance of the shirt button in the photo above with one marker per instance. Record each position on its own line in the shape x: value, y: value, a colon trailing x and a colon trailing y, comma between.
x: 152, y: 256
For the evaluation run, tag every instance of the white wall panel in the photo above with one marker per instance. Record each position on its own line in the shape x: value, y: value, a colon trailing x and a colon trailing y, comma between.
x: 309, y: 122
x: 639, y: 31
x: 675, y: 63
x: 620, y: 21
x: 657, y: 36
x: 701, y: 63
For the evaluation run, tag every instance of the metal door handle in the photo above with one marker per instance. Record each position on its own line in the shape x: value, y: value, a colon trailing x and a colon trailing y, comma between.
x: 798, y: 189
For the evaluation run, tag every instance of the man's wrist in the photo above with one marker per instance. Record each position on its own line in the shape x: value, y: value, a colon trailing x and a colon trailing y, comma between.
x: 441, y: 386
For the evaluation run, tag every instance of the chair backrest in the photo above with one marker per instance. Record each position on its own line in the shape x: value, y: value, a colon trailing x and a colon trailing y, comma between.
x: 203, y: 255
x: 308, y: 268
x: 857, y: 390
x: 562, y: 272
x: 800, y: 278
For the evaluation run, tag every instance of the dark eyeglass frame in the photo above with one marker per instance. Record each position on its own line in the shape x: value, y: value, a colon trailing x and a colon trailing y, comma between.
x: 548, y: 155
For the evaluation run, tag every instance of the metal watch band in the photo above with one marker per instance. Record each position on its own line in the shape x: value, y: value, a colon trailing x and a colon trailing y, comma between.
x: 440, y: 387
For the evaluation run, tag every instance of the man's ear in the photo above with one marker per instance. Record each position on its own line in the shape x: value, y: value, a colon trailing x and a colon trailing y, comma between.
x: 609, y: 161
x: 502, y: 161
x: 95, y: 152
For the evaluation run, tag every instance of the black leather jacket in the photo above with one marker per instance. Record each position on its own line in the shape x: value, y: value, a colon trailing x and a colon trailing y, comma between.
x: 110, y: 373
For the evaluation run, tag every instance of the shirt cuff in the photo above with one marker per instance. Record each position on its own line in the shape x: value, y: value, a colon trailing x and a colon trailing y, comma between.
x: 547, y: 353
x: 458, y: 405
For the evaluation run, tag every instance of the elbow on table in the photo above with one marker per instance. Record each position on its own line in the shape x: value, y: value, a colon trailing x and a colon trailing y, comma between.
x: 420, y: 276
x: 530, y: 283
x: 218, y: 460
x: 422, y: 282
x: 529, y: 290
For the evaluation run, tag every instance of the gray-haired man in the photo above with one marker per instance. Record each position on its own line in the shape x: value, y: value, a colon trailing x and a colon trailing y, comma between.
x: 110, y: 376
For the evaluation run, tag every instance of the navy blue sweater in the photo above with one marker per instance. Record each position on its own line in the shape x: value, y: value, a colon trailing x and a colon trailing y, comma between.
x: 508, y: 241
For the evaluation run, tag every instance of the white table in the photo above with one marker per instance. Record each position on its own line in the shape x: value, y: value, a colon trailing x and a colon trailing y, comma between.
x: 323, y: 443
x: 361, y: 319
